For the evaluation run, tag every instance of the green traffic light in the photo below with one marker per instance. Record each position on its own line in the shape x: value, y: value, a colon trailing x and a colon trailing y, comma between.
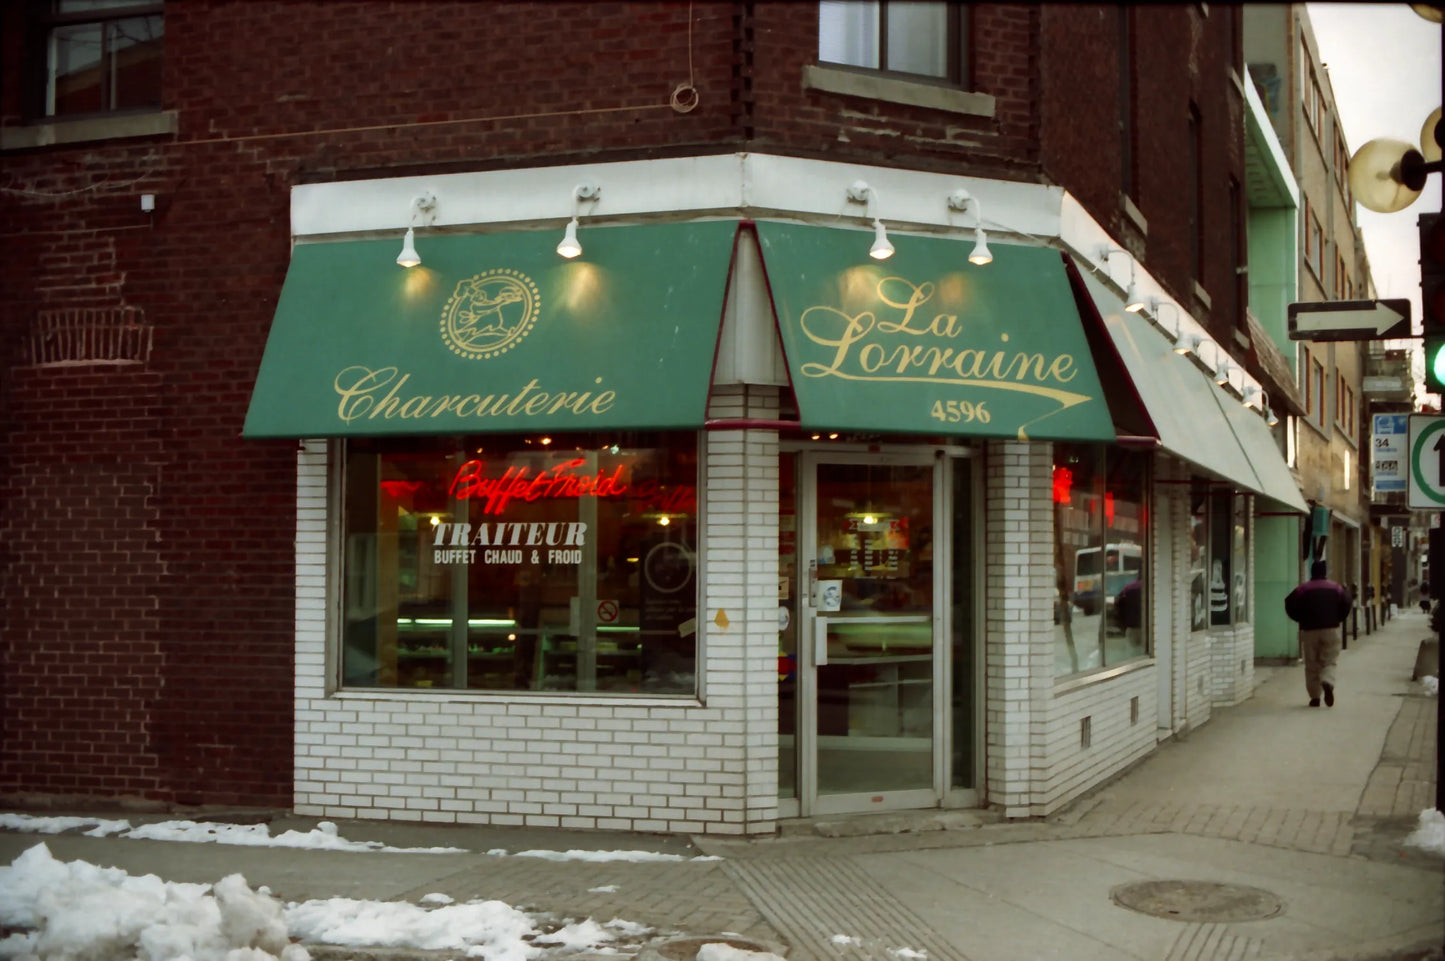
x: 1435, y: 365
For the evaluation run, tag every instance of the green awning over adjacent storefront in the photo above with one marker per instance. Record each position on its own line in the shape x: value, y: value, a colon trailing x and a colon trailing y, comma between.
x: 1193, y: 419
x: 1177, y: 397
x: 928, y: 343
x: 496, y: 333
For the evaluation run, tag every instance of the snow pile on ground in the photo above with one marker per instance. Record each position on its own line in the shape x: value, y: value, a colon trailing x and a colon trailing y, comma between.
x: 76, y: 911
x: 1430, y: 832
x: 79, y: 912
x: 323, y: 837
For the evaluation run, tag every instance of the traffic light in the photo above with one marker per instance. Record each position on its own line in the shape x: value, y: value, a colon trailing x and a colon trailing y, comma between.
x: 1432, y: 300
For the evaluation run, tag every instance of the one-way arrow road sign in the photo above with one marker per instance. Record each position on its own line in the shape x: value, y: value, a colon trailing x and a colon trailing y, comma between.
x: 1350, y: 320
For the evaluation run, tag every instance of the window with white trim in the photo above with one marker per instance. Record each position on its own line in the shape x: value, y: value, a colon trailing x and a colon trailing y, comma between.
x: 920, y: 39
x: 94, y: 57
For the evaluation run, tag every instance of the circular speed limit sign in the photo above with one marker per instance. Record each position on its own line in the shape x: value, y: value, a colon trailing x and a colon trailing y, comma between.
x: 1427, y: 462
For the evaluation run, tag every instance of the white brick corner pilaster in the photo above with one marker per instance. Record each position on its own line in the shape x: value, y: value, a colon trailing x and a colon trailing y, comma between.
x: 1019, y: 586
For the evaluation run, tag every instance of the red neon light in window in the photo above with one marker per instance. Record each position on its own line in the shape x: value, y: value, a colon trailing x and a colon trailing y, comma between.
x: 400, y: 488
x: 1063, y: 485
x: 1109, y: 508
x: 522, y: 483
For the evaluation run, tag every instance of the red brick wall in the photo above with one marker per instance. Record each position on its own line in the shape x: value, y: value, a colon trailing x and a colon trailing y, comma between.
x: 146, y: 635
x: 1181, y: 55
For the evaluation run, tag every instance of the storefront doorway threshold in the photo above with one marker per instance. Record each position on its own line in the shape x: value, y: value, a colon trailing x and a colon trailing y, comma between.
x: 892, y: 822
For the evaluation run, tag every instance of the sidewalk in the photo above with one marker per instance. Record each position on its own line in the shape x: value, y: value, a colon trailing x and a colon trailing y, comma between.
x: 1272, y: 832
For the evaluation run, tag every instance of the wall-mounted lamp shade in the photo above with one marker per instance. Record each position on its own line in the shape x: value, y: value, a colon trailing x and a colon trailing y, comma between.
x: 961, y: 200
x: 1188, y: 344
x: 981, y: 254
x: 881, y: 249
x: 1270, y: 417
x: 423, y: 211
x: 1155, y: 308
x: 570, y: 246
x: 1221, y: 375
x: 408, y: 256
x: 1430, y: 134
x: 1386, y: 175
x: 1253, y: 398
x: 1133, y: 303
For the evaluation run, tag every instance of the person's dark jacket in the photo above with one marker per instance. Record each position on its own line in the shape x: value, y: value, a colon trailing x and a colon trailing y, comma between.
x: 1318, y: 603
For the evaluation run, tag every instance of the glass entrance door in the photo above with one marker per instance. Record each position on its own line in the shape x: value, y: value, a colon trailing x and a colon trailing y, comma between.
x: 864, y: 649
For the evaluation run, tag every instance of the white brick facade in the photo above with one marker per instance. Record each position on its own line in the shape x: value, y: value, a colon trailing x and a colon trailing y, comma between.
x: 709, y: 764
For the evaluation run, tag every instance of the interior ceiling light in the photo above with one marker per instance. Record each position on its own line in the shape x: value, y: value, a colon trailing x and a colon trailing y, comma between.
x: 959, y: 200
x: 1133, y: 301
x: 570, y: 246
x: 860, y: 193
x: 423, y: 209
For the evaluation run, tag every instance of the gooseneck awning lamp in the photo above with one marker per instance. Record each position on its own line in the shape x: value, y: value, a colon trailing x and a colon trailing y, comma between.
x: 1223, y: 372
x: 1155, y: 309
x: 1133, y: 301
x: 961, y: 200
x: 860, y: 193
x: 570, y: 246
x: 423, y: 211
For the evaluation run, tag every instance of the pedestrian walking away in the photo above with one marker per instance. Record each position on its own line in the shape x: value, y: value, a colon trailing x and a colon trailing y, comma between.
x: 1319, y: 606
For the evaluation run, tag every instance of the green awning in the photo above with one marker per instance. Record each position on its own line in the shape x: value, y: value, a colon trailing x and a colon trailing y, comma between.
x: 1178, y: 398
x: 1274, y: 479
x: 1193, y: 419
x: 496, y: 333
x: 927, y: 343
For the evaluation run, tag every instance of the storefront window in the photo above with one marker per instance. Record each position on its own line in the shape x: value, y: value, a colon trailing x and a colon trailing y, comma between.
x: 522, y: 563
x: 1220, y: 523
x: 1199, y: 557
x: 1100, y: 557
x: 1240, y: 551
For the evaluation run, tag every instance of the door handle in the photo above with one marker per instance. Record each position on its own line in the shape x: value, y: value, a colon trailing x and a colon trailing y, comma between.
x: 820, y: 641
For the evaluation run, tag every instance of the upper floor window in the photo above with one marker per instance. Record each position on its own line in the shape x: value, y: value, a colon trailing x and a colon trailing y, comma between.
x: 1317, y: 393
x: 1314, y: 104
x: 925, y: 39
x: 1314, y: 241
x: 95, y: 57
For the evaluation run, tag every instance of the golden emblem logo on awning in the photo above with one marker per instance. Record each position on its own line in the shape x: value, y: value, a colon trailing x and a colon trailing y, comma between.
x: 490, y: 313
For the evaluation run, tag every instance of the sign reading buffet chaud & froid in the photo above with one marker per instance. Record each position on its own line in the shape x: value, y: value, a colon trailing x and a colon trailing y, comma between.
x: 928, y: 343
x: 496, y: 333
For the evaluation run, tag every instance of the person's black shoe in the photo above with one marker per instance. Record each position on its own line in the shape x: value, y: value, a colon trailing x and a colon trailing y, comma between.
x: 1329, y: 695
x: 1314, y: 702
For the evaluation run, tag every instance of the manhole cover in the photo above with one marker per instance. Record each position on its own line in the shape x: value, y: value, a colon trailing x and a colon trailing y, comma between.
x: 686, y: 949
x: 1198, y: 900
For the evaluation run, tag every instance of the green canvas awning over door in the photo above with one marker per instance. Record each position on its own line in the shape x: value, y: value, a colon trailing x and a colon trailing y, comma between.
x: 928, y: 343
x: 496, y: 333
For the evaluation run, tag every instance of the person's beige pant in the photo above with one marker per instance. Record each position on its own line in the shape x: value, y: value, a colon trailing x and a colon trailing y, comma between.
x: 1320, y: 650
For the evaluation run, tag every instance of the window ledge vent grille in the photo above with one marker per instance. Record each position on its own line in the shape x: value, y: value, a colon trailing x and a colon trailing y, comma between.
x: 92, y: 336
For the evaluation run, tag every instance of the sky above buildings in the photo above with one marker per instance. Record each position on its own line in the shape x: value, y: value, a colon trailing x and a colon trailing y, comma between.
x: 1383, y: 62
